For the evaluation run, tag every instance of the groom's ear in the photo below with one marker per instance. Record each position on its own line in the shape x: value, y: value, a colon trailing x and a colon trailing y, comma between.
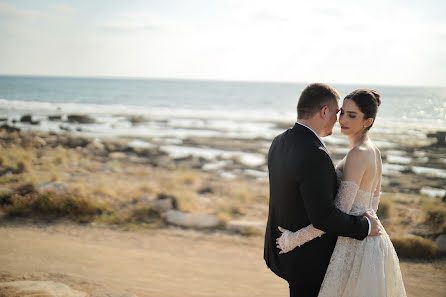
x: 324, y: 112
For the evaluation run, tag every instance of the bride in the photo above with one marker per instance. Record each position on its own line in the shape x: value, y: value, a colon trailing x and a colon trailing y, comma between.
x: 357, y: 268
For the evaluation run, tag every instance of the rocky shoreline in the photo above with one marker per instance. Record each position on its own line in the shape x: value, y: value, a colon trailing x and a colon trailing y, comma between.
x: 145, y: 206
x: 206, y: 183
x: 413, y: 163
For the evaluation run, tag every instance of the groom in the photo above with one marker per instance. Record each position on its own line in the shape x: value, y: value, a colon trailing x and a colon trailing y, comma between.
x: 303, y: 186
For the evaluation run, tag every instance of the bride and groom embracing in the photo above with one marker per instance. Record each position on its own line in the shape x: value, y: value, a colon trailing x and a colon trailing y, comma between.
x: 323, y: 236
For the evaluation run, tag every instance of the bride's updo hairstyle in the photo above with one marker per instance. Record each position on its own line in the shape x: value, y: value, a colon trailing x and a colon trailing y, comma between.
x: 367, y: 102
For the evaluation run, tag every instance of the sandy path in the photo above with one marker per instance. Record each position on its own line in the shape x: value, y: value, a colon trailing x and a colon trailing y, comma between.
x: 166, y: 263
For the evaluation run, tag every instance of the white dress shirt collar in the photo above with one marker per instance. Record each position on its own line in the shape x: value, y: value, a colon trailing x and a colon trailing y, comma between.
x: 313, y: 132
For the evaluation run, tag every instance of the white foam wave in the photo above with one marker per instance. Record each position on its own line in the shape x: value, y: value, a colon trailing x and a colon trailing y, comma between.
x: 17, y: 107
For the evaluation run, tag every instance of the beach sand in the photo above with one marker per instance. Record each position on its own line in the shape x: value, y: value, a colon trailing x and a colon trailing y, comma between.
x: 169, y: 262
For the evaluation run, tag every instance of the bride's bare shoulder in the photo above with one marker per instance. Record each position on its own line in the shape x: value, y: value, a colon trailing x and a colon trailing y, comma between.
x: 360, y: 155
x: 377, y: 151
x: 354, y: 160
x: 360, y: 151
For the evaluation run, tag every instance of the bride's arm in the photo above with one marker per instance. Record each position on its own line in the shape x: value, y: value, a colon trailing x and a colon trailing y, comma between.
x: 377, y: 193
x: 376, y: 196
x: 354, y: 169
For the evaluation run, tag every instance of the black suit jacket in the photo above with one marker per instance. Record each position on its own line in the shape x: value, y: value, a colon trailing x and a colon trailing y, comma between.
x: 303, y: 186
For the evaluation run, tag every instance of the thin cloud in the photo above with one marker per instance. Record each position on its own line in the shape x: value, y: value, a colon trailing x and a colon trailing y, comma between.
x: 266, y: 16
x: 329, y: 11
x: 53, y: 13
x: 62, y: 9
x: 9, y: 11
x: 127, y: 23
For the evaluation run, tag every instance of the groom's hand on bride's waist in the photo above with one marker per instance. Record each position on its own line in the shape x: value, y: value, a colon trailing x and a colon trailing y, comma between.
x: 375, y: 224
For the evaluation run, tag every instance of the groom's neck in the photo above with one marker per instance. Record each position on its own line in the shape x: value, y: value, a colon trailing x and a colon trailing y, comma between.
x: 313, y: 124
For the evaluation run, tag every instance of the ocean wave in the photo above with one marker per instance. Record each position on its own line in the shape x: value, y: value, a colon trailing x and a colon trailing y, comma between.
x: 17, y: 107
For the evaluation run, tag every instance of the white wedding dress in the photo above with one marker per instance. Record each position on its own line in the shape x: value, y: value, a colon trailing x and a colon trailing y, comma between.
x: 358, y: 268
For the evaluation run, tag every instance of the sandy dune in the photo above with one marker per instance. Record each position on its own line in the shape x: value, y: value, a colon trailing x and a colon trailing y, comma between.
x: 169, y: 262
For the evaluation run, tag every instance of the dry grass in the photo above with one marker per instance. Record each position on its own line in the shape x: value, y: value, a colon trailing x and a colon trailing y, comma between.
x: 109, y: 190
x: 114, y: 165
x: 5, y: 199
x: 146, y: 217
x: 186, y: 177
x: 385, y: 208
x: 15, y: 154
x: 113, y: 183
x: 228, y: 210
x: 251, y: 232
x: 411, y: 246
x: 50, y: 205
x: 16, y: 159
x: 240, y: 191
x: 435, y: 216
x: 186, y: 201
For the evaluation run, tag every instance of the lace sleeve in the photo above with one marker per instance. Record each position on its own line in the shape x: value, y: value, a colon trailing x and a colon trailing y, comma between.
x: 375, y: 202
x: 346, y: 196
x: 290, y: 240
x: 344, y: 202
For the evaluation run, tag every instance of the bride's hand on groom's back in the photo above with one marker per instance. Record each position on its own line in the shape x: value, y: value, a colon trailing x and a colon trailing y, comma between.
x: 375, y: 229
x: 282, y: 242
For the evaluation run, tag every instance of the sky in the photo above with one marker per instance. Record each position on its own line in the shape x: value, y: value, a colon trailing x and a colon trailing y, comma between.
x: 367, y: 42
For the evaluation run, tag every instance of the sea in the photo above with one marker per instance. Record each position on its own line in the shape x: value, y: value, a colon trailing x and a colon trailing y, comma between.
x: 421, y: 107
x: 175, y: 110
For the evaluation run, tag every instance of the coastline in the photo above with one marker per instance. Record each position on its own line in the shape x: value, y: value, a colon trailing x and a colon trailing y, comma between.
x: 64, y: 183
x: 161, y: 184
x: 414, y: 161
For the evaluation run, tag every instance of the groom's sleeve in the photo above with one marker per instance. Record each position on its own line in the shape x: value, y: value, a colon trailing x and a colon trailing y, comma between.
x: 316, y: 187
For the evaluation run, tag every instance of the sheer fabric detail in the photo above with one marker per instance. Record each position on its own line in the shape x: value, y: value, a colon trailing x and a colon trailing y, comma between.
x: 346, y: 196
x: 367, y: 268
x: 290, y: 240
x: 344, y: 201
x: 375, y: 202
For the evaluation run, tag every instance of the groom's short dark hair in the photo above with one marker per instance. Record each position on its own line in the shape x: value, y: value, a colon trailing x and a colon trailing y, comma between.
x: 314, y: 97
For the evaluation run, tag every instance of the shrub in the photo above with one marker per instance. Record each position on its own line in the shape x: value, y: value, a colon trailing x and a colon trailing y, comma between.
x: 51, y: 205
x: 5, y: 199
x: 412, y: 246
x: 25, y: 189
x: 436, y: 218
x: 146, y: 216
x: 22, y: 167
x: 251, y: 232
x: 223, y: 215
x: 187, y: 201
x: 385, y: 208
x: 14, y: 155
x: 230, y: 209
x: 185, y: 177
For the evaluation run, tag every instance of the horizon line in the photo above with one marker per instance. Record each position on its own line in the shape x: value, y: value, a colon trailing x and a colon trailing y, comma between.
x: 212, y: 80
